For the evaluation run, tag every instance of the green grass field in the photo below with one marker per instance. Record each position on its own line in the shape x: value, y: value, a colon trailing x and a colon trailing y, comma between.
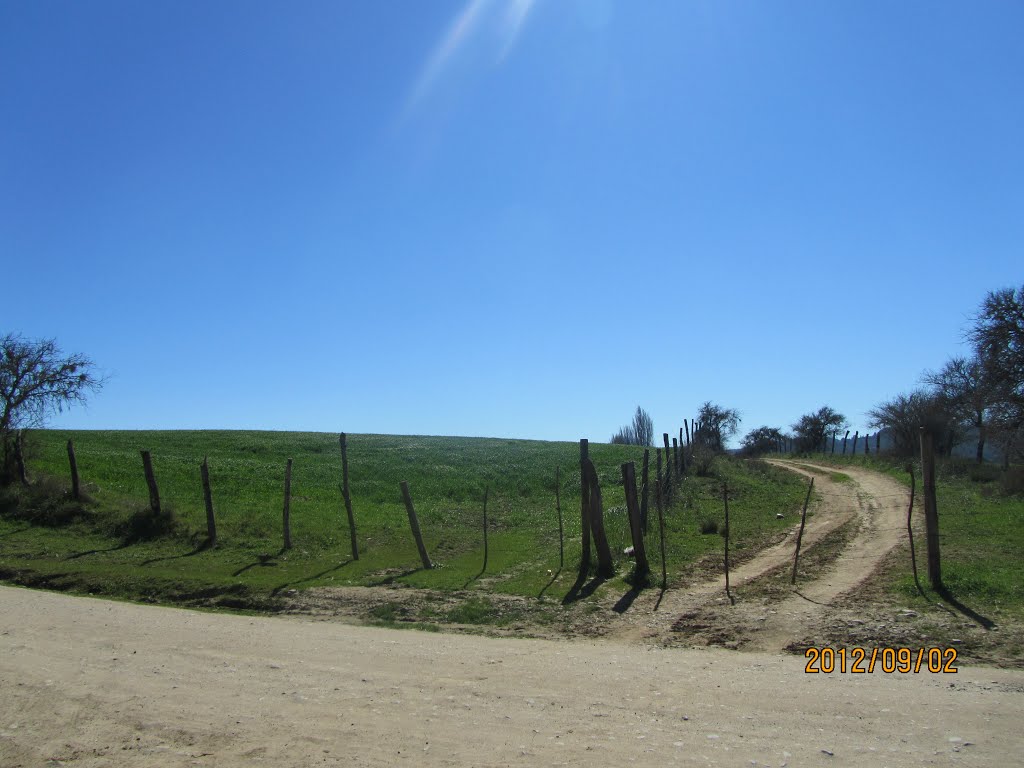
x: 447, y: 478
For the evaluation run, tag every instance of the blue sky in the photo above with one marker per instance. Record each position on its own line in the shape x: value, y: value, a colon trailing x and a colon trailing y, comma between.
x: 505, y: 218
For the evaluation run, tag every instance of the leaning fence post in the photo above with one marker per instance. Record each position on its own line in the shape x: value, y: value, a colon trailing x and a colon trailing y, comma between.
x: 661, y: 531
x: 725, y: 498
x: 800, y: 536
x: 668, y: 470
x: 211, y: 523
x: 414, y: 523
x: 287, y: 505
x: 844, y: 441
x: 348, y: 498
x: 644, y: 493
x: 487, y: 491
x: 154, y: 492
x: 558, y: 508
x: 74, y: 471
x: 639, y: 550
x: 910, y: 530
x: 584, y: 508
x: 853, y: 448
x: 931, y: 512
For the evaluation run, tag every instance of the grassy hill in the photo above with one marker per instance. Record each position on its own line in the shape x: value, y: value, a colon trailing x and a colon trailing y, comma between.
x: 447, y: 477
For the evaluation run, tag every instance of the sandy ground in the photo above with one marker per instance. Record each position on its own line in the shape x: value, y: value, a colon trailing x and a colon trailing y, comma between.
x: 88, y: 682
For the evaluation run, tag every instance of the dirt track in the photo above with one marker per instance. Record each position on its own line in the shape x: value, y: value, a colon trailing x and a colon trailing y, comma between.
x: 88, y: 682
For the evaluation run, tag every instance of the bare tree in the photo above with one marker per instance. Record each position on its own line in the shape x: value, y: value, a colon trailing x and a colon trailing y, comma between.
x: 762, y: 440
x: 717, y: 425
x: 812, y: 428
x: 905, y: 414
x: 36, y: 380
x: 640, y: 432
x: 965, y: 390
x: 998, y: 337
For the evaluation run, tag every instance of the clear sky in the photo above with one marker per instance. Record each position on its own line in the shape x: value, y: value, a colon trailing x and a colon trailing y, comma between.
x: 516, y: 218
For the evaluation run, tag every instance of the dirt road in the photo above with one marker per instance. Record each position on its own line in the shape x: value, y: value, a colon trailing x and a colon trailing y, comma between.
x: 88, y: 682
x: 870, y: 505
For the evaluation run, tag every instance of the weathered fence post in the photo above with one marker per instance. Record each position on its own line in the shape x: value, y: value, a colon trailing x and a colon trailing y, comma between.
x: 910, y: 529
x: 605, y: 565
x: 211, y: 523
x: 853, y: 447
x: 668, y: 470
x: 584, y: 507
x: 487, y: 490
x: 661, y: 532
x: 867, y: 448
x: 682, y: 454
x: 834, y: 442
x: 844, y: 441
x: 800, y: 535
x: 154, y: 492
x: 725, y: 498
x: 74, y: 471
x: 343, y: 439
x: 19, y: 456
x: 288, y: 505
x: 931, y: 512
x: 644, y: 490
x: 558, y: 508
x: 659, y: 482
x: 686, y: 426
x: 414, y: 523
x: 642, y: 568
x: 675, y: 458
x: 878, y: 441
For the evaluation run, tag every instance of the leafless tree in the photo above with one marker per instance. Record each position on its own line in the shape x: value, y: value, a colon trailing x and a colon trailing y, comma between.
x: 640, y: 432
x: 813, y: 428
x: 36, y: 380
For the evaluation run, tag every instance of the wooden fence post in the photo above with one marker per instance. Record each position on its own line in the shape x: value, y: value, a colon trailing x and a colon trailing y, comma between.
x: 644, y: 476
x: 288, y: 505
x: 487, y: 490
x: 154, y: 492
x: 878, y: 442
x: 19, y: 456
x: 800, y: 535
x: 834, y: 442
x: 686, y: 426
x: 75, y: 491
x: 642, y: 568
x: 867, y: 447
x: 659, y: 483
x: 668, y: 470
x: 853, y: 450
x: 682, y: 454
x: 725, y: 498
x: 675, y: 457
x: 347, y: 497
x: 211, y: 522
x: 584, y: 508
x: 661, y: 531
x: 605, y: 565
x: 844, y: 441
x: 931, y: 512
x: 558, y: 508
x: 910, y: 529
x: 414, y: 523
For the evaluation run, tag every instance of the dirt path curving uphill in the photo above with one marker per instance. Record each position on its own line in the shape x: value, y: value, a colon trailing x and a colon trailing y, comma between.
x: 867, y: 507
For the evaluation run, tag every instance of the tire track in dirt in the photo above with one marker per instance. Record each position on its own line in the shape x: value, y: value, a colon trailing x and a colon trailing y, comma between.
x: 701, y: 613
